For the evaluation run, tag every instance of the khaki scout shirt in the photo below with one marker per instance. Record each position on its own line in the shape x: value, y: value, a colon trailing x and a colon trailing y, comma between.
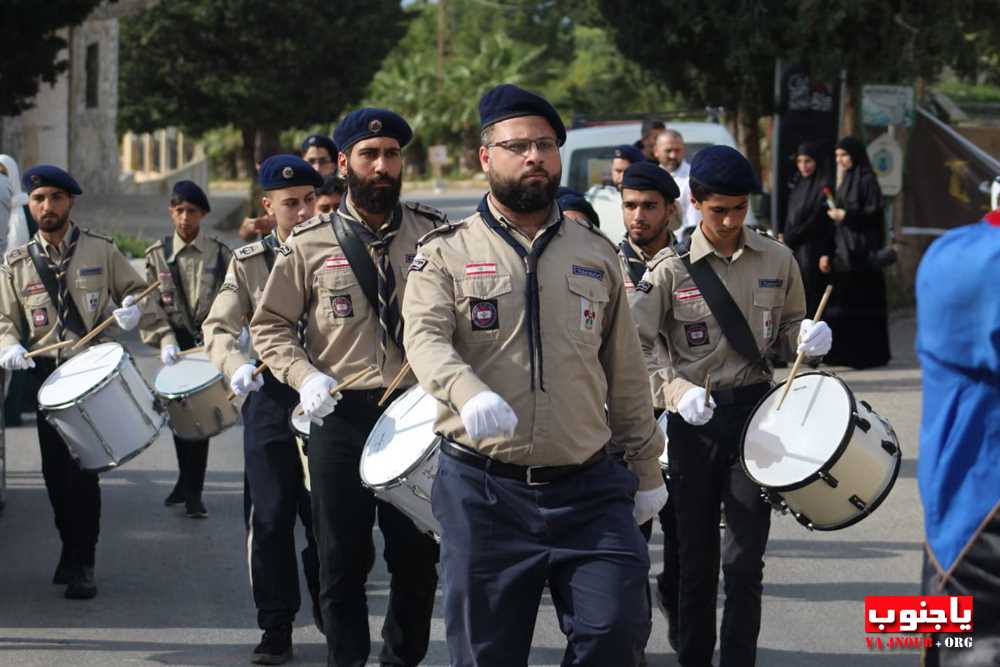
x: 99, y: 277
x: 198, y: 266
x: 658, y: 380
x: 589, y: 347
x: 765, y: 283
x: 235, y: 304
x: 312, y: 277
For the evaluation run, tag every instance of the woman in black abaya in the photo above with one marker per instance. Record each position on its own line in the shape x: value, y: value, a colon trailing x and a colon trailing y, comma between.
x: 858, y: 310
x: 808, y: 230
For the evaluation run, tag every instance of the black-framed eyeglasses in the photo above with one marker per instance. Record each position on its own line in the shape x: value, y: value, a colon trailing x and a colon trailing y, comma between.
x: 523, y: 146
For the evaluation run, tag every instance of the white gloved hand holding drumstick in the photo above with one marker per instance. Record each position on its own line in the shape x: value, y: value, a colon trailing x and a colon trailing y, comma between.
x: 14, y: 358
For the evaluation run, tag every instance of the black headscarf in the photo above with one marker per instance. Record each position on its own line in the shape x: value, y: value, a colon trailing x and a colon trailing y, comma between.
x: 862, y: 232
x: 806, y: 217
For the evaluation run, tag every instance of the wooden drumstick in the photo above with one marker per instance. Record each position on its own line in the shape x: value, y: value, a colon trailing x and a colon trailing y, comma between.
x: 48, y: 348
x: 108, y: 322
x: 349, y: 381
x: 802, y: 355
x: 257, y: 371
x: 708, y: 388
x: 395, y: 383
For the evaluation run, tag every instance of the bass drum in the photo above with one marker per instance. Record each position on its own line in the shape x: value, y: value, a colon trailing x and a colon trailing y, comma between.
x: 827, y: 458
x: 400, y: 458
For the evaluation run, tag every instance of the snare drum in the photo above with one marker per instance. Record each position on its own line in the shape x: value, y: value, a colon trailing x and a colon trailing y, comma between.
x: 300, y: 427
x: 400, y: 458
x: 664, y: 458
x: 196, y: 397
x: 101, y: 406
x: 829, y: 459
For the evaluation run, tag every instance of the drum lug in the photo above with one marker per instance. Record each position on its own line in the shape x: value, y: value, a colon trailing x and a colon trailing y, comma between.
x: 776, y: 502
x: 858, y: 503
x: 804, y: 520
x: 862, y: 423
x: 829, y: 479
x: 890, y: 447
x: 867, y: 405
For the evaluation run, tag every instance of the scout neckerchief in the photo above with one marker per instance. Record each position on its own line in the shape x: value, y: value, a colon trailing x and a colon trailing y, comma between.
x: 636, y: 265
x: 531, y: 297
x: 53, y: 275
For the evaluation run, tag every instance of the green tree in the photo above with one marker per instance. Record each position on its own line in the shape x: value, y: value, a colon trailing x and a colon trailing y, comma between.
x: 259, y: 65
x: 31, y: 47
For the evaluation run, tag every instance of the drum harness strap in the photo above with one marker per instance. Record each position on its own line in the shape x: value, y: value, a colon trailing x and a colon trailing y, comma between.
x: 186, y: 314
x: 54, y: 279
x: 636, y: 265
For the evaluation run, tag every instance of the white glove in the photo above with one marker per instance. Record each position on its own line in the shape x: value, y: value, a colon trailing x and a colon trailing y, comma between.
x: 315, y: 396
x: 648, y: 503
x: 693, y: 409
x: 815, y: 338
x: 13, y: 359
x: 486, y: 415
x: 128, y: 315
x: 243, y: 380
x: 170, y: 355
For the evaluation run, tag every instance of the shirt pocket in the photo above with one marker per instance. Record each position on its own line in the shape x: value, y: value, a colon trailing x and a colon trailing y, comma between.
x: 89, y: 292
x: 695, y: 332
x: 40, y: 312
x: 766, y: 314
x: 485, y: 308
x: 587, y: 307
x: 341, y: 300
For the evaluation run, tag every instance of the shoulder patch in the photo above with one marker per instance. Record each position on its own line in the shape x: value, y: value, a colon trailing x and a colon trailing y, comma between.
x: 16, y: 254
x: 591, y: 227
x: 437, y: 215
x: 250, y: 250
x: 662, y: 256
x: 446, y: 228
x: 311, y: 223
x: 284, y: 250
x: 644, y: 286
x: 96, y: 235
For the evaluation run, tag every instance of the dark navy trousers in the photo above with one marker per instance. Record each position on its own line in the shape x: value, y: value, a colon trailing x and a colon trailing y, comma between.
x: 274, y: 495
x: 503, y: 541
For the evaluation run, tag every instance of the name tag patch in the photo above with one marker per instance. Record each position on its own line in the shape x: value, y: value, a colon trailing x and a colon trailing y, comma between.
x: 687, y: 294
x: 480, y: 269
x: 40, y: 316
x: 696, y: 334
x: 644, y: 286
x: 336, y: 263
x: 596, y: 274
x: 342, y: 306
x: 770, y: 282
x: 484, y: 314
x: 91, y: 271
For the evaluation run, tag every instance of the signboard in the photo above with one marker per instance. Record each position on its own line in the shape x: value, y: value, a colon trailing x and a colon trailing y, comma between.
x: 886, y: 156
x: 887, y: 105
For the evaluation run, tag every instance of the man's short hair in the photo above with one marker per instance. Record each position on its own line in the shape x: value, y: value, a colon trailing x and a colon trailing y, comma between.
x: 674, y: 134
x: 332, y: 184
x: 651, y: 124
x: 700, y: 191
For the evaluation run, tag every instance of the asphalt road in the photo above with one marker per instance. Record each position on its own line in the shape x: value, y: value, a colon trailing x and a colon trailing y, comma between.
x: 175, y: 591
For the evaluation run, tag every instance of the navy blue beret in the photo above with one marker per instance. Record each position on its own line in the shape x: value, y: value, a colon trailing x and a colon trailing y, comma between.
x: 571, y: 200
x: 367, y: 123
x: 630, y: 153
x: 190, y: 192
x: 287, y: 171
x: 320, y: 141
x: 45, y: 175
x: 649, y: 176
x: 724, y: 170
x: 508, y: 101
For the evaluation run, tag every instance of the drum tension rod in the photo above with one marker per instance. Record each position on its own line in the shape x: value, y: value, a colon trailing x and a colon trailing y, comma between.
x: 804, y: 520
x: 862, y: 423
x: 829, y: 479
x: 890, y: 447
x: 857, y: 502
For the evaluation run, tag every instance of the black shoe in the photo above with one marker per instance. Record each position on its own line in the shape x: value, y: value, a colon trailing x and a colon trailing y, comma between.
x: 196, y: 509
x: 275, y: 648
x: 82, y: 586
x: 64, y: 570
x: 176, y: 496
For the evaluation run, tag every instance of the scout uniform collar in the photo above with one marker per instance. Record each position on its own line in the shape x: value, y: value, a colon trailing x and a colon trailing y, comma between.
x: 555, y: 216
x: 61, y: 248
x: 180, y: 244
x: 701, y: 246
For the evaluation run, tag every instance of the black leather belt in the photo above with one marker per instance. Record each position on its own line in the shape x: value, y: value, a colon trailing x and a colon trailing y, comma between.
x: 750, y: 393
x: 530, y: 475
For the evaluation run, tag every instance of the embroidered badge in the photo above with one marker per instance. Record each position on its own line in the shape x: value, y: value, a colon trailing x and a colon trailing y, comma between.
x: 336, y: 263
x: 166, y: 278
x: 687, y: 294
x: 767, y: 325
x: 40, y: 316
x: 484, y: 314
x: 588, y: 314
x: 629, y: 286
x: 342, y: 306
x: 167, y: 298
x: 93, y: 300
x: 247, y: 250
x: 33, y: 288
x: 770, y: 282
x: 596, y: 274
x: 480, y: 269
x: 644, y: 286
x: 418, y: 263
x: 697, y: 334
x: 91, y: 271
x: 284, y: 250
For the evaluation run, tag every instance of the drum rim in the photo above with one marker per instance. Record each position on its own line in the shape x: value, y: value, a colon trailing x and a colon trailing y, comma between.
x: 401, y: 478
x: 832, y: 461
x: 115, y: 372
x: 291, y: 423
x: 174, y: 395
x: 869, y: 509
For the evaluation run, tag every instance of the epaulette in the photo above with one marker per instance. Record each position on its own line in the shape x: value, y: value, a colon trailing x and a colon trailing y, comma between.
x: 588, y: 225
x: 250, y: 250
x: 437, y: 215
x: 16, y: 254
x: 157, y: 245
x: 446, y: 228
x: 664, y: 254
x: 96, y: 235
x: 216, y: 239
x: 311, y: 223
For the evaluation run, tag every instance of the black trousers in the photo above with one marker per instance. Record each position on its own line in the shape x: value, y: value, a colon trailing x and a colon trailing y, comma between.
x: 192, y: 455
x: 344, y: 512
x: 75, y: 495
x: 705, y: 470
x: 275, y: 494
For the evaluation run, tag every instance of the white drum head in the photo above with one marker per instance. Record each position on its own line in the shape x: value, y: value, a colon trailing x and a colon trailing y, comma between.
x: 190, y: 373
x: 80, y: 374
x: 400, y: 439
x: 785, y: 447
x: 300, y: 422
x: 662, y: 423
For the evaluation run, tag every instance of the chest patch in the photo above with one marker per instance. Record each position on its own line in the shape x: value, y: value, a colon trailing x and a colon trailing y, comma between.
x: 770, y: 282
x: 40, y: 317
x: 587, y: 271
x: 342, y: 306
x: 336, y: 263
x: 167, y: 298
x: 91, y: 271
x: 687, y: 294
x: 33, y: 288
x: 480, y: 269
x: 696, y: 334
x: 484, y: 314
x: 93, y: 300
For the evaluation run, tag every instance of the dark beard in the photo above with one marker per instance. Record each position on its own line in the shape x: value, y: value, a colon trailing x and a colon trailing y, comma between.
x: 46, y: 226
x: 373, y: 199
x: 523, y: 197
